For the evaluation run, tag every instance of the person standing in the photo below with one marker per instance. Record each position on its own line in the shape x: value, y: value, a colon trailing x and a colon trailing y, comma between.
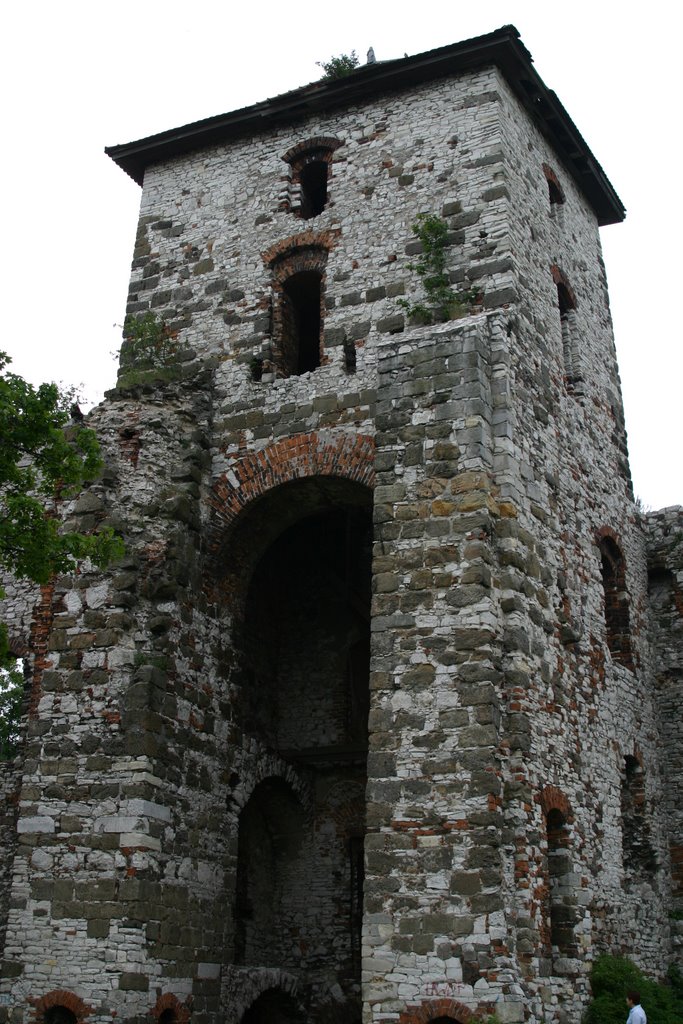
x: 636, y: 1013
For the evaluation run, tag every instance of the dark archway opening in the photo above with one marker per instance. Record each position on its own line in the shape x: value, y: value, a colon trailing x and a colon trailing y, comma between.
x: 301, y: 322
x: 305, y: 650
x: 273, y: 1007
x: 313, y: 181
x: 167, y: 1016
x: 59, y: 1015
x: 270, y: 837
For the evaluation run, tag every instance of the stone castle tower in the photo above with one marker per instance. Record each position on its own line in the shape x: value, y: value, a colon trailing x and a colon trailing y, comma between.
x: 375, y: 721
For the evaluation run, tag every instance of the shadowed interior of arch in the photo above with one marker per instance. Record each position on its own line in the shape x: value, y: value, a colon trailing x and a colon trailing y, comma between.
x: 305, y: 646
x: 59, y: 1015
x: 273, y: 1007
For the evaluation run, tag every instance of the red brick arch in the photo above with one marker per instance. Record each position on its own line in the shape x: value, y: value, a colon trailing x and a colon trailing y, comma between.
x: 430, y: 1010
x: 327, y: 465
x: 59, y: 997
x: 326, y: 143
x: 350, y: 456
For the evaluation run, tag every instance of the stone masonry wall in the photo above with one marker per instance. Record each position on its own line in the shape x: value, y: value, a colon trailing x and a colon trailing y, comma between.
x: 496, y: 707
x: 664, y: 532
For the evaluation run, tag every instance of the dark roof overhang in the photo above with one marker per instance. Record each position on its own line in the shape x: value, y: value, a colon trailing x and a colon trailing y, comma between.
x: 502, y: 48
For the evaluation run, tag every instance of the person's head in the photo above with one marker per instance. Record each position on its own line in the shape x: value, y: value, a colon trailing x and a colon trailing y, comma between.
x: 633, y: 997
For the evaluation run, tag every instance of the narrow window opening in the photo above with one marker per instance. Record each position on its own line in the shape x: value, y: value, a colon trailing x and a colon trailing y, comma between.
x: 617, y: 619
x: 562, y: 913
x: 567, y: 308
x: 555, y: 193
x: 301, y: 322
x: 59, y: 1015
x: 313, y: 183
x: 639, y: 857
x: 349, y: 356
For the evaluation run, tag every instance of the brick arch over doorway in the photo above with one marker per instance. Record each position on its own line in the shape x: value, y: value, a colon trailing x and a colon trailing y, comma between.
x: 435, y: 1010
x: 321, y: 465
x: 350, y: 456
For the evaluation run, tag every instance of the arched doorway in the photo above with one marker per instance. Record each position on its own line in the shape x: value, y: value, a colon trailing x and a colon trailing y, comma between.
x: 304, y: 649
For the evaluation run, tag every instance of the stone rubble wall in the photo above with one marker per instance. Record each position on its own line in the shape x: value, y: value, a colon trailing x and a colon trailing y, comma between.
x: 493, y: 692
x: 664, y: 534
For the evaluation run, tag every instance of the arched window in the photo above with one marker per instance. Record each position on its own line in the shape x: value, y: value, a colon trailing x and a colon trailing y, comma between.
x: 298, y: 305
x: 562, y: 912
x: 617, y: 620
x: 566, y: 304
x: 310, y: 162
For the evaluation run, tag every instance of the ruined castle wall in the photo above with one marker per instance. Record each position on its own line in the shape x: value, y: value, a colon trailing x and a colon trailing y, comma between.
x: 664, y: 532
x: 574, y: 707
x: 494, y: 699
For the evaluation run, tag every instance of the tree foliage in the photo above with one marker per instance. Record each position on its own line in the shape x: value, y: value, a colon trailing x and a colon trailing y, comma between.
x: 11, y: 697
x: 338, y: 67
x: 42, y: 458
x: 611, y: 979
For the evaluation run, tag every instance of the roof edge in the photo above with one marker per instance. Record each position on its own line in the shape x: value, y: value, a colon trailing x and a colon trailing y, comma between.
x: 502, y: 48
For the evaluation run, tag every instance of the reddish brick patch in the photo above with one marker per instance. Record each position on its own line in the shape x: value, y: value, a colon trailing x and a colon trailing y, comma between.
x: 553, y: 799
x: 560, y: 279
x: 434, y: 1009
x: 324, y: 240
x: 169, y: 1010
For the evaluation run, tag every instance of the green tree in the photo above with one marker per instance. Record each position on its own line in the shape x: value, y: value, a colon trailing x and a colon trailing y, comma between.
x: 42, y: 458
x: 338, y: 67
x: 613, y: 976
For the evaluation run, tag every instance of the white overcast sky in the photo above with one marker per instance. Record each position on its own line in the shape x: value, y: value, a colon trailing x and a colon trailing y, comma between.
x: 78, y: 75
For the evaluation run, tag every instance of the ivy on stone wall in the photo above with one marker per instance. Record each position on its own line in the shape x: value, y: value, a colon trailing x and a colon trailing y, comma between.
x: 441, y: 302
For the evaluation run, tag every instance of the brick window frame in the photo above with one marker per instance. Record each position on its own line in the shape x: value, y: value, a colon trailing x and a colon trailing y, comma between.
x: 571, y: 349
x: 316, y: 152
x: 617, y: 613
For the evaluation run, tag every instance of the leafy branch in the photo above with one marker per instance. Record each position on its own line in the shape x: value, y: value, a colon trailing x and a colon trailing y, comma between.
x: 43, y: 457
x: 441, y: 301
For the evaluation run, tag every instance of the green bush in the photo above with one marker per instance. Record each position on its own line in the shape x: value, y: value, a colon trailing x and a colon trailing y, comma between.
x: 611, y: 979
